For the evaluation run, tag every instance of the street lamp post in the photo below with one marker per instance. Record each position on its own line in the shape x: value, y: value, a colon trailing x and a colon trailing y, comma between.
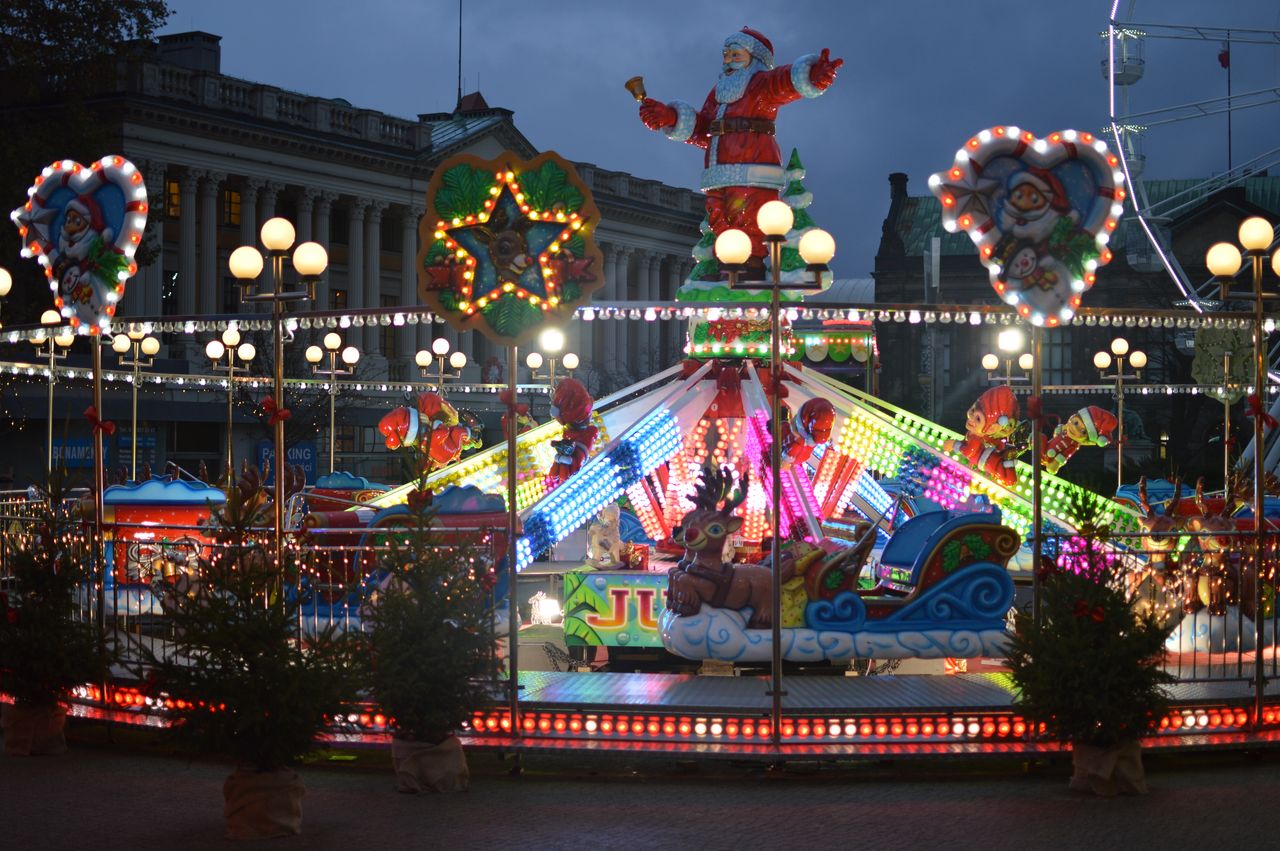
x: 1009, y: 341
x: 350, y: 356
x: 439, y: 355
x: 144, y: 349
x: 1137, y: 360
x: 6, y: 284
x: 309, y: 260
x: 1256, y: 235
x: 231, y: 348
x: 733, y: 249
x: 54, y: 349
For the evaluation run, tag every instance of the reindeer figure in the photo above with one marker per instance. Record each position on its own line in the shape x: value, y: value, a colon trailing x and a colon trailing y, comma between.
x: 1159, y: 540
x: 1214, y: 567
x: 702, y: 576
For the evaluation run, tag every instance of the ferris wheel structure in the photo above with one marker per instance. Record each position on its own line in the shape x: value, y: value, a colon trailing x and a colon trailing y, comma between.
x: 1134, y: 119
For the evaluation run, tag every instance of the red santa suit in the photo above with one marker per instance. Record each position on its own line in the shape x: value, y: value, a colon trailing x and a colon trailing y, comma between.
x: 1097, y: 424
x: 743, y: 165
x: 989, y: 457
x: 571, y: 406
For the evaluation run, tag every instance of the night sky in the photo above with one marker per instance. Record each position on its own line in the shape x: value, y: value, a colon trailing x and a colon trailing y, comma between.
x: 920, y: 77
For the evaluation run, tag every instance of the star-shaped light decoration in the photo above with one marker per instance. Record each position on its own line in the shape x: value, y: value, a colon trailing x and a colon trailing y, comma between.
x: 508, y: 249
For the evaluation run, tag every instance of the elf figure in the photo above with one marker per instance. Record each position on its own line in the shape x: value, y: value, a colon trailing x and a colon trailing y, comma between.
x: 571, y: 406
x: 1090, y: 426
x: 431, y: 418
x: 988, y: 425
x: 801, y: 435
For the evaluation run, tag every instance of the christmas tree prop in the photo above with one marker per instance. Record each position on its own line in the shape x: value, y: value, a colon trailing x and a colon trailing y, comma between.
x: 1089, y: 672
x: 46, y: 647
x: 704, y: 284
x: 246, y: 685
x: 431, y: 636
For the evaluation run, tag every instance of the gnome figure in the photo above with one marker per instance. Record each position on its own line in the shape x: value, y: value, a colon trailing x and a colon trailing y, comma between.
x: 1090, y: 426
x: 988, y: 425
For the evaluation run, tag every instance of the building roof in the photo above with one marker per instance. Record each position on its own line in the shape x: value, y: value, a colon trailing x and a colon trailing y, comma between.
x: 922, y: 214
x: 845, y: 291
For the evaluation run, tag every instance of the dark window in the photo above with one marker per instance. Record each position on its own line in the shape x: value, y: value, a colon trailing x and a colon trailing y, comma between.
x: 173, y: 199
x: 345, y: 439
x: 230, y: 296
x: 392, y: 235
x: 338, y: 226
x: 387, y: 333
x: 230, y: 208
x: 169, y: 293
x: 337, y: 299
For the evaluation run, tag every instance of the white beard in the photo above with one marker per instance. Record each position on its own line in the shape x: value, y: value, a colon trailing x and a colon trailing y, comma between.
x: 733, y: 85
x: 75, y: 247
x: 1035, y: 225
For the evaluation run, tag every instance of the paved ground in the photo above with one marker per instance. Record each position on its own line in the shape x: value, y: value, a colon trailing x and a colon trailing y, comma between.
x: 134, y: 795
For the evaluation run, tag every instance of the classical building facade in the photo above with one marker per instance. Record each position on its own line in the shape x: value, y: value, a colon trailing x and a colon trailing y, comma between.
x: 221, y: 155
x: 225, y: 154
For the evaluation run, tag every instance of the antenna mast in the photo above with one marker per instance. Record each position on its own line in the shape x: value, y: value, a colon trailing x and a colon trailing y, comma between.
x: 459, y: 101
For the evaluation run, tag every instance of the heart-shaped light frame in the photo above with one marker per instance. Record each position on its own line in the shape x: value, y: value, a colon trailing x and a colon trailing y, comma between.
x: 971, y: 197
x: 40, y: 222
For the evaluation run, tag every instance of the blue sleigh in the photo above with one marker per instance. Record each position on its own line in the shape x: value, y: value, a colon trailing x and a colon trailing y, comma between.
x: 942, y: 590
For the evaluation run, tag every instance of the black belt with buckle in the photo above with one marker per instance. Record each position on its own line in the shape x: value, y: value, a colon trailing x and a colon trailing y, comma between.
x: 721, y: 126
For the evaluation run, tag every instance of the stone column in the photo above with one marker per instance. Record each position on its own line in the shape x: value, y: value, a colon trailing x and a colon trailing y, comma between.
x: 672, y: 338
x: 249, y: 189
x: 210, y: 300
x: 620, y: 351
x: 411, y: 337
x: 373, y: 269
x: 306, y: 206
x: 320, y: 233
x: 150, y: 279
x: 302, y: 228
x: 188, y: 272
x: 355, y: 253
x: 599, y: 332
x: 658, y: 356
x: 267, y: 199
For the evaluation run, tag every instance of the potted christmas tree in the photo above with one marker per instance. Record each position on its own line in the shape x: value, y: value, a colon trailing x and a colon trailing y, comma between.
x: 431, y: 637
x: 1090, y: 670
x: 47, y: 647
x: 252, y: 686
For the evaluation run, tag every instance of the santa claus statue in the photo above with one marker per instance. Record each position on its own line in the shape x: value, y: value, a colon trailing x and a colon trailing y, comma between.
x: 1091, y: 426
x: 743, y: 166
x: 988, y: 425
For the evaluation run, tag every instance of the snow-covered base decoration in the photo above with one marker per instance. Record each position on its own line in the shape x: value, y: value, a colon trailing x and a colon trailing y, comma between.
x: 1201, y: 632
x: 722, y: 634
x: 962, y: 617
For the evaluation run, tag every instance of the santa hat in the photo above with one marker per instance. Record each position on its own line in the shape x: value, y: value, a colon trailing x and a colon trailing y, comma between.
x: 1098, y: 424
x: 999, y: 405
x: 760, y: 48
x: 1047, y: 183
x: 87, y: 207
